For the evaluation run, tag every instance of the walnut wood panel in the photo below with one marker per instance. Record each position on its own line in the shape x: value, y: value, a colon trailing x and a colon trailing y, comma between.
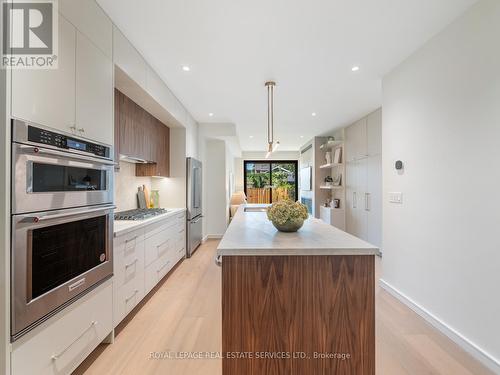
x: 139, y: 134
x: 298, y: 304
x: 117, y: 128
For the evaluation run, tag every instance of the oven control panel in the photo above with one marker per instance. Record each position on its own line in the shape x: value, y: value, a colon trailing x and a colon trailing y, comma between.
x: 48, y: 137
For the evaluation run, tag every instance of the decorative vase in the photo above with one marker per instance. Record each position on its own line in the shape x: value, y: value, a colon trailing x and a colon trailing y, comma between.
x: 155, y: 199
x: 328, y: 157
x: 289, y: 226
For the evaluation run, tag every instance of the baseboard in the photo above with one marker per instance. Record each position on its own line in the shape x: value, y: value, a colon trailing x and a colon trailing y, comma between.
x: 211, y: 237
x: 215, y: 236
x: 482, y: 356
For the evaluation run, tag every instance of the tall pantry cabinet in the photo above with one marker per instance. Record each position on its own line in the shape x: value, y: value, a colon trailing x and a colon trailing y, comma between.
x: 363, y: 156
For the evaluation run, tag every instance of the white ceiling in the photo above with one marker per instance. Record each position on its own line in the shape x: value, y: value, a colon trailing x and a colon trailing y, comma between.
x: 308, y: 47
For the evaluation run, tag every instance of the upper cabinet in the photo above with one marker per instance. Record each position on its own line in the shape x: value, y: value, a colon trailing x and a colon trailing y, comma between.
x: 374, y: 132
x: 355, y: 141
x: 92, y: 22
x: 94, y: 91
x: 127, y: 58
x: 162, y: 95
x: 142, y: 136
x: 77, y: 97
x: 364, y: 137
x: 47, y: 97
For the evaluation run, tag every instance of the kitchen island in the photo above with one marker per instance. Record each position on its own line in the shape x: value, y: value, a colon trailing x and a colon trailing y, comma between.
x: 296, y: 303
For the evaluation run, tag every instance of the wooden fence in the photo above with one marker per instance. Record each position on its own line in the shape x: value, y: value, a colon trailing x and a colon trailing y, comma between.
x: 263, y: 195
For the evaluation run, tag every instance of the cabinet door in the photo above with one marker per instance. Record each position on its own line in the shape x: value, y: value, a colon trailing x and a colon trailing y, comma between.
x: 163, y: 150
x: 355, y: 145
x: 94, y: 91
x: 351, y: 198
x: 90, y: 20
x: 361, y: 214
x: 350, y: 144
x: 374, y: 133
x: 126, y: 57
x: 374, y: 191
x: 117, y: 127
x: 47, y: 97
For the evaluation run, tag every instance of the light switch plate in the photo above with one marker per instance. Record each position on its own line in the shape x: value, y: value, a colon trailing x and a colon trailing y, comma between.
x: 396, y: 197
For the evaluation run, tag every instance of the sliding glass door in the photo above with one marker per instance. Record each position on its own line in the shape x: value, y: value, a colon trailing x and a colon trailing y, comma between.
x: 270, y: 181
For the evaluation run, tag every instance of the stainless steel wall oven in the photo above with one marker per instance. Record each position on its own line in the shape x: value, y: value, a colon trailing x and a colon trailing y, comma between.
x: 62, y: 221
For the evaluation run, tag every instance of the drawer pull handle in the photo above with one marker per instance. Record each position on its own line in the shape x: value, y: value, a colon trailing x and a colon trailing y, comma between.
x: 131, y: 239
x: 162, y: 267
x: 131, y: 296
x: 131, y: 263
x: 163, y: 243
x: 55, y: 357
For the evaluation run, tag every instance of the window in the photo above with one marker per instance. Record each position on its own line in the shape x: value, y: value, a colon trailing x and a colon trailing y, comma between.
x: 270, y: 181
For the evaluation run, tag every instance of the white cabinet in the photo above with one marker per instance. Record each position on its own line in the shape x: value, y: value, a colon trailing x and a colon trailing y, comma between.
x: 356, y: 142
x: 374, y: 200
x: 94, y: 91
x: 374, y: 133
x: 77, y: 97
x: 363, y: 147
x: 142, y: 258
x: 60, y: 344
x: 356, y: 215
x: 47, y: 97
x: 126, y: 57
x: 333, y: 216
x: 128, y: 268
x: 90, y: 20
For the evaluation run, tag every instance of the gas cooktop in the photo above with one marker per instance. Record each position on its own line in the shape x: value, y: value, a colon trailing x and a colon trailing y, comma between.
x: 139, y: 213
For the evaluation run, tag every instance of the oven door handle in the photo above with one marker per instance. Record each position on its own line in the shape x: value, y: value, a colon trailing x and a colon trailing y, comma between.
x: 38, y: 219
x: 66, y: 155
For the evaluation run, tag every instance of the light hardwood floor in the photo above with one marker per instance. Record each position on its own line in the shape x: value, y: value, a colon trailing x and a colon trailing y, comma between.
x: 183, y: 314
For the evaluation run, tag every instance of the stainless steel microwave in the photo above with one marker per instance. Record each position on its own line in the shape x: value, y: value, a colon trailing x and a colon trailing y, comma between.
x: 54, y: 171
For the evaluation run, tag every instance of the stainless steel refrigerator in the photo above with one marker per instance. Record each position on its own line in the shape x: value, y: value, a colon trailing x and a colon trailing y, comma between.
x: 194, y: 205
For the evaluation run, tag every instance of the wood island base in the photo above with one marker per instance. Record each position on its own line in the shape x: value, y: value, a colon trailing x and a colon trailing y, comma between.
x: 297, y: 315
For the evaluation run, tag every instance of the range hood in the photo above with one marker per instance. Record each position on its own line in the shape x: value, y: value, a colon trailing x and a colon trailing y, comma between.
x: 133, y: 159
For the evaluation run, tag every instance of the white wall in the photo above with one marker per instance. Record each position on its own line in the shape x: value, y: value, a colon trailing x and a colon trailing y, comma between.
x: 191, y: 138
x: 126, y: 186
x: 441, y: 117
x: 214, y: 178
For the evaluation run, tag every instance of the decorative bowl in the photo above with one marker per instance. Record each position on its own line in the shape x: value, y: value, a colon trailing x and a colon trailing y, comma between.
x: 287, y: 215
x: 289, y: 226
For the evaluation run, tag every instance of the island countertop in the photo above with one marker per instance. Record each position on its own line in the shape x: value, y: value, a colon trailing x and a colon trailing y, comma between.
x: 252, y: 234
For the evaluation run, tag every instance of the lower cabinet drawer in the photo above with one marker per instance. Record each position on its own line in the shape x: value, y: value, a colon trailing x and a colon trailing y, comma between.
x: 157, y: 270
x: 127, y: 264
x: 127, y: 296
x: 60, y: 344
x: 157, y: 246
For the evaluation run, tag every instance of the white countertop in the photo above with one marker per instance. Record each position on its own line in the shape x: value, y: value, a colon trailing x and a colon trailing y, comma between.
x: 251, y: 233
x: 125, y: 226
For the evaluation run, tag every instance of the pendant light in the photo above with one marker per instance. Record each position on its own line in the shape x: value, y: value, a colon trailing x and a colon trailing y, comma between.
x: 271, y: 146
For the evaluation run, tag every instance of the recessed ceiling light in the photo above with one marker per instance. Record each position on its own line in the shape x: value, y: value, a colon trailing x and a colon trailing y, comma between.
x: 355, y: 68
x: 186, y: 68
x: 313, y: 114
x: 250, y: 136
x: 301, y: 136
x: 211, y: 114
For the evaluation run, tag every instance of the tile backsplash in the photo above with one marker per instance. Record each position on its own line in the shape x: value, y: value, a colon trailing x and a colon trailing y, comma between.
x: 126, y: 184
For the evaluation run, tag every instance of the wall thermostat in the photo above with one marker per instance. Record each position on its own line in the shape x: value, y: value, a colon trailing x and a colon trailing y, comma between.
x: 399, y: 165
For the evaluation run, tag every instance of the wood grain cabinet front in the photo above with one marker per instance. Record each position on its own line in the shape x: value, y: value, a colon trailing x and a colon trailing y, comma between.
x: 142, y: 136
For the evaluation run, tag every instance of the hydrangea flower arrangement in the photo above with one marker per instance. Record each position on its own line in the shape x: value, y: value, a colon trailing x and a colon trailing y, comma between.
x: 287, y: 215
